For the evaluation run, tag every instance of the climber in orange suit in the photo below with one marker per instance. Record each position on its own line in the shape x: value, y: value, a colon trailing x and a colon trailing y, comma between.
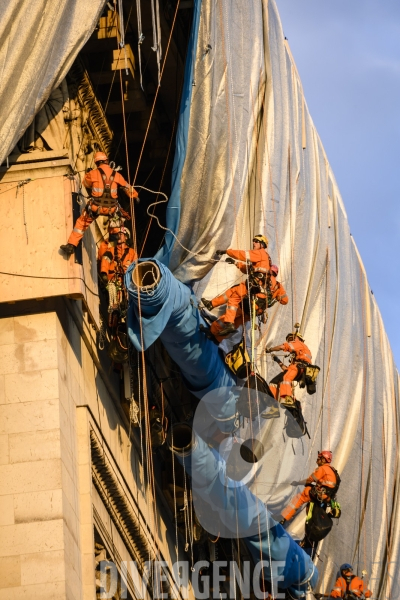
x: 260, y: 262
x: 349, y: 583
x: 317, y: 486
x: 236, y: 313
x: 115, y: 255
x: 277, y: 292
x: 301, y: 354
x: 232, y: 298
x: 258, y: 257
x: 102, y: 184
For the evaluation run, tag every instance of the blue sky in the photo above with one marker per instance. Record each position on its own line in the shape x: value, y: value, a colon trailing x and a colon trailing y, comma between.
x: 348, y: 56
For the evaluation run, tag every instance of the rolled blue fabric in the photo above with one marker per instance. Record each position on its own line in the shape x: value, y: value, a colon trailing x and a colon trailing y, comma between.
x: 170, y: 312
x: 226, y: 507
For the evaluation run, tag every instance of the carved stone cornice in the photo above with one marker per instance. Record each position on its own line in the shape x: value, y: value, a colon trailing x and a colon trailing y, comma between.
x: 124, y: 511
x: 115, y: 500
x: 96, y: 117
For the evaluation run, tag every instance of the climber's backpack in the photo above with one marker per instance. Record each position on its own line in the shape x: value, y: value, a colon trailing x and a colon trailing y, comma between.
x: 238, y: 360
x: 318, y: 523
x: 311, y: 374
x: 331, y: 492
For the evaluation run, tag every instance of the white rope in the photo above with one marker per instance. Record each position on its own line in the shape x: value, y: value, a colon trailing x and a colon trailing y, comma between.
x: 162, y: 226
x: 140, y: 39
x: 121, y: 24
x: 122, y: 33
x: 159, y: 49
x: 155, y: 20
x: 174, y: 486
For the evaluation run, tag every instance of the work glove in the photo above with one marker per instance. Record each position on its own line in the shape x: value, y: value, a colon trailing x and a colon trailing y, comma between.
x: 220, y: 252
x: 104, y: 278
x: 276, y: 359
x: 230, y: 261
x: 268, y: 350
x: 295, y: 483
x: 133, y: 193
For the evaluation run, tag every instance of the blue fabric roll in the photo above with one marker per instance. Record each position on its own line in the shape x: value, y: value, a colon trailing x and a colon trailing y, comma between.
x: 170, y: 313
x: 233, y: 508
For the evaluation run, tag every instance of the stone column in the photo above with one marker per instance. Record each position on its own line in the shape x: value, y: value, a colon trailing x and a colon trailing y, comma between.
x: 39, y: 497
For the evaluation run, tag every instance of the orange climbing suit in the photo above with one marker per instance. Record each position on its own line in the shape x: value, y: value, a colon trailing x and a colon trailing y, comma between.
x: 260, y: 259
x: 102, y: 184
x: 301, y: 354
x: 323, y: 477
x: 115, y: 260
x: 356, y: 586
x: 277, y: 290
x: 232, y: 298
x: 217, y: 325
x: 234, y: 312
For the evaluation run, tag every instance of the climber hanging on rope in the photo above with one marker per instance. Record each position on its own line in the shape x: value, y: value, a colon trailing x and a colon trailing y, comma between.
x: 276, y: 292
x: 257, y: 259
x: 348, y: 585
x: 237, y: 300
x: 115, y: 255
x: 299, y: 369
x: 102, y: 184
x: 321, y: 485
x: 258, y: 271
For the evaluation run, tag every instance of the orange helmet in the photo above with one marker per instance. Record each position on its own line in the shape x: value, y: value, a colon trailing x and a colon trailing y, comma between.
x: 100, y: 156
x: 326, y: 454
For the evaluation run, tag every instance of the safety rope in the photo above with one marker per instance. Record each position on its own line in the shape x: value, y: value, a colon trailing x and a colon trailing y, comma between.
x: 150, y: 487
x: 178, y: 96
x: 102, y: 333
x: 292, y: 241
x: 153, y: 216
x: 253, y: 323
x: 122, y: 34
x: 22, y: 184
x: 155, y: 19
x: 50, y: 278
x: 175, y: 501
x: 227, y: 85
x: 363, y: 410
x: 329, y: 337
x: 156, y: 94
x: 140, y: 40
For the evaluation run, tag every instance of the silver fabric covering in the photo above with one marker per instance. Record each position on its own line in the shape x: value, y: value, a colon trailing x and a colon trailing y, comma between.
x: 39, y: 40
x: 255, y: 164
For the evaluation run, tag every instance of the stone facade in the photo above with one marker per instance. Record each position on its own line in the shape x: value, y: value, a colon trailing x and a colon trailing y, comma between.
x: 58, y: 407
